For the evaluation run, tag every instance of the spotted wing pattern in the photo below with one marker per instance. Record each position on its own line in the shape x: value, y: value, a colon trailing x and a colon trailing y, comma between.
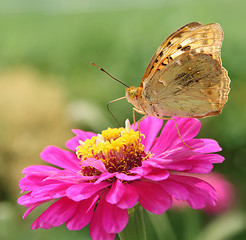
x: 193, y: 36
x: 185, y: 77
x: 162, y: 52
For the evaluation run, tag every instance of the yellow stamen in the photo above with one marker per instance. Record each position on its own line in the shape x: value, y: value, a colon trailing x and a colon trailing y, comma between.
x: 119, y: 149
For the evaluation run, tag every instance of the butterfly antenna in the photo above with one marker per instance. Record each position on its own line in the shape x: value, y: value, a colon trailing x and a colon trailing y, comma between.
x: 109, y: 75
x: 110, y: 110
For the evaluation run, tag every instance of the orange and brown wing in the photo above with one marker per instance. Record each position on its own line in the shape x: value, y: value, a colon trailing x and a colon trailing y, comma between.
x: 185, y: 77
x: 192, y: 86
x: 165, y: 46
x: 191, y: 37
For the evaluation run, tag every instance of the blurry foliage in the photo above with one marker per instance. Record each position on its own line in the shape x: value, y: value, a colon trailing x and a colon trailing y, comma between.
x: 47, y: 85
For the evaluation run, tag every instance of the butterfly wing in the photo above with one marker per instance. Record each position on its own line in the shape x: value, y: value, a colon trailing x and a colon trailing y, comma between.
x: 199, y: 87
x: 191, y: 37
x: 166, y: 47
x: 187, y: 80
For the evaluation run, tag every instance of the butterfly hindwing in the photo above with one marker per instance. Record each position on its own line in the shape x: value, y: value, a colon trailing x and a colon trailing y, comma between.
x: 192, y: 85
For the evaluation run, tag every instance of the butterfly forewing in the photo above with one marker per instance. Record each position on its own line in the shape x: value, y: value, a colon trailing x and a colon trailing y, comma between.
x: 163, y: 50
x: 192, y: 37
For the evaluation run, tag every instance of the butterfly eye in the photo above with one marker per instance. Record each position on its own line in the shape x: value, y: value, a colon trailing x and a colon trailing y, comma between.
x: 132, y: 93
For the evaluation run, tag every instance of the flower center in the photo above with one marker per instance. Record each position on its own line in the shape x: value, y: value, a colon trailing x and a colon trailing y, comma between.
x: 120, y: 149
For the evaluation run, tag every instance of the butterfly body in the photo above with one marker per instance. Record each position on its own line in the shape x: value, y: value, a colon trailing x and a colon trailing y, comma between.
x: 185, y: 77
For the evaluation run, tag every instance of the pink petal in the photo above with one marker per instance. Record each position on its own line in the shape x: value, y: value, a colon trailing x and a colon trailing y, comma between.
x: 152, y: 197
x: 200, y: 192
x: 96, y: 228
x: 159, y: 162
x: 196, y: 164
x: 27, y: 200
x: 175, y: 189
x: 114, y: 219
x: 115, y: 193
x: 196, y: 200
x: 57, y: 214
x: 51, y: 190
x: 39, y: 170
x: 209, y: 146
x: 201, y: 145
x: 85, y: 190
x: 191, y: 167
x: 213, y: 158
x: 35, y: 176
x: 69, y: 177
x: 73, y: 143
x: 44, y: 193
x: 36, y: 224
x: 97, y: 164
x: 129, y: 198
x: 125, y: 177
x: 60, y: 158
x: 188, y: 127
x: 83, y: 135
x: 143, y: 170
x: 178, y: 153
x: 151, y: 170
x: 150, y: 127
x: 83, y: 214
x: 157, y: 175
x: 30, y: 183
x: 105, y: 176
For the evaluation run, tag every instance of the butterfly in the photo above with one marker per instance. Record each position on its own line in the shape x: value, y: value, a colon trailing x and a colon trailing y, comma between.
x: 185, y: 77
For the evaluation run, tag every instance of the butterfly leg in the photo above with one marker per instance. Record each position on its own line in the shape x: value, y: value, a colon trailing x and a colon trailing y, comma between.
x: 141, y: 119
x: 176, y: 125
x: 138, y: 111
x: 134, y: 119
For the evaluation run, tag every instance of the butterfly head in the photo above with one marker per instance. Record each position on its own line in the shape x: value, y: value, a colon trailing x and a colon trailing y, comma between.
x: 134, y: 95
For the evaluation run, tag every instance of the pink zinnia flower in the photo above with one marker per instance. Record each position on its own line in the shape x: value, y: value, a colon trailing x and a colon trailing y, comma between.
x: 106, y: 174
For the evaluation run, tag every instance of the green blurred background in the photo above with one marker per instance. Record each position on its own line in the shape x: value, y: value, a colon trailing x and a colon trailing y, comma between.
x: 48, y: 87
